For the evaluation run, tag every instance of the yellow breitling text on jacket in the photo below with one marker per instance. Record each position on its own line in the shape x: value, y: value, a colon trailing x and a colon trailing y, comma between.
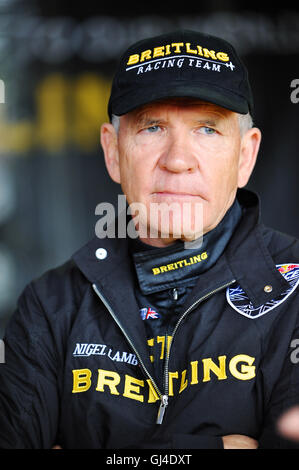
x: 239, y: 366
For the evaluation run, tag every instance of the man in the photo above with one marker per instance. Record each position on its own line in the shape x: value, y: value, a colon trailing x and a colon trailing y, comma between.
x: 172, y: 340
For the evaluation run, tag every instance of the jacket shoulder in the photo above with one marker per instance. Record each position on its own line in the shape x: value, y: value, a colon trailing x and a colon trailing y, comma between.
x: 60, y: 288
x: 284, y: 248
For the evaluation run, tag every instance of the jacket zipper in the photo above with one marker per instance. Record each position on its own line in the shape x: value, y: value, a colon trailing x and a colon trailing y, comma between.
x: 163, y: 396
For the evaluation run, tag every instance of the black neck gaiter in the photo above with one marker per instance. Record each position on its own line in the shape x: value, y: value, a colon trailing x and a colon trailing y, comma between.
x: 158, y: 269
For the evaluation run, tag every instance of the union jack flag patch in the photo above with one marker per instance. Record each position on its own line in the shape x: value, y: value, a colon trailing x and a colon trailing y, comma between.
x: 147, y: 312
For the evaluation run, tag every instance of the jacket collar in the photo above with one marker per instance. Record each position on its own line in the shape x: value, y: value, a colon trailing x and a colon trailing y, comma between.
x: 249, y: 258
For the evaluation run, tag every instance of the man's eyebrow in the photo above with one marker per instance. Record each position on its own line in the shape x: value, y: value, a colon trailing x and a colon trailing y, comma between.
x: 145, y: 120
x: 209, y: 122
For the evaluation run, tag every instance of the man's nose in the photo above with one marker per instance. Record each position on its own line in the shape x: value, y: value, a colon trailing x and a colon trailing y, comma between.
x: 177, y: 156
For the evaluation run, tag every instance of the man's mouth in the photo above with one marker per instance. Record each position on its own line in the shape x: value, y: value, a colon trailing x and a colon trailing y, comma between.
x: 160, y: 195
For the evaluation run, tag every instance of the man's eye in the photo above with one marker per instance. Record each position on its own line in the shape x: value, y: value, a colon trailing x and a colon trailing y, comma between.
x: 152, y: 129
x: 207, y: 130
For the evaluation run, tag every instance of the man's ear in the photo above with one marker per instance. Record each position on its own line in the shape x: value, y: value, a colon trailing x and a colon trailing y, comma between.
x: 249, y: 148
x: 109, y: 143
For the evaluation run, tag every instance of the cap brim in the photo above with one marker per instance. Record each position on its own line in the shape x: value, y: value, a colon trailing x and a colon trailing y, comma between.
x: 212, y: 94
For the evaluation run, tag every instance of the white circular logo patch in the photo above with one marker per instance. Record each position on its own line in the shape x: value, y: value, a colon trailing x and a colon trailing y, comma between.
x: 240, y: 302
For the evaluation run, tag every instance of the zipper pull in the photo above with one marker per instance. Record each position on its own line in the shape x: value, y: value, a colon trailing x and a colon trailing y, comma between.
x: 162, y: 408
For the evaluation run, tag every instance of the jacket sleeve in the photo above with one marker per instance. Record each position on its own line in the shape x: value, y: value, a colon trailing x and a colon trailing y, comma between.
x: 285, y: 394
x: 28, y: 379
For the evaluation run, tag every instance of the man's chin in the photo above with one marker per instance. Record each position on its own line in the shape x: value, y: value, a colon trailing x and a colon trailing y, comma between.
x: 168, y: 236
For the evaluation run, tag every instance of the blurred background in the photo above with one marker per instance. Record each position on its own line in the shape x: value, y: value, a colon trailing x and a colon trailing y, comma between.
x: 56, y: 63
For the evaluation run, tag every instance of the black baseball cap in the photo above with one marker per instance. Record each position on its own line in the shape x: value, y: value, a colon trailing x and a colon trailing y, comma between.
x: 181, y: 64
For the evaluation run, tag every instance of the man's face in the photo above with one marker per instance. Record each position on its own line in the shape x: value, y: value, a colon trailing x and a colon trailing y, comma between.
x: 181, y: 152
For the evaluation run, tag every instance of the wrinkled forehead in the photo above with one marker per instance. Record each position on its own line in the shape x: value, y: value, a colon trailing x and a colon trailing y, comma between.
x: 157, y: 108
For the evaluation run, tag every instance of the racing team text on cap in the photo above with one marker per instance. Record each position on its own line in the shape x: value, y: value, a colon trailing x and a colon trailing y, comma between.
x: 184, y: 50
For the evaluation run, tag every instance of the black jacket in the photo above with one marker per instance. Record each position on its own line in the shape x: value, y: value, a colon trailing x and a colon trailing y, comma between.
x: 78, y: 371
